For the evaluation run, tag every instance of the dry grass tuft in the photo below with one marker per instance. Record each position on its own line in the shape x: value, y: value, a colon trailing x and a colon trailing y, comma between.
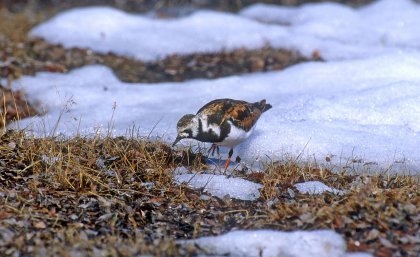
x: 91, y: 193
x: 93, y: 166
x: 116, y: 196
x: 375, y: 214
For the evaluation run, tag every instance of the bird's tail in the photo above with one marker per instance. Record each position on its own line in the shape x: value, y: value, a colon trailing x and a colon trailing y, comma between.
x: 263, y: 105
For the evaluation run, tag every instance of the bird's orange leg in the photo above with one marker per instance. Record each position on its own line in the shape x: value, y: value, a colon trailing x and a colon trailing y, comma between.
x: 228, y: 159
x: 213, y: 148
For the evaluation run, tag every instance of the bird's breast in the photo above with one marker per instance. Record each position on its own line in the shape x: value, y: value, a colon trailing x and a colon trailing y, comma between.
x: 235, y: 136
x: 209, y: 131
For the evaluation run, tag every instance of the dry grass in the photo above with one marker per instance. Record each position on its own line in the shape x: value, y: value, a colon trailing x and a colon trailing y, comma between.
x: 116, y: 195
x: 93, y: 166
x: 60, y: 190
x: 376, y: 213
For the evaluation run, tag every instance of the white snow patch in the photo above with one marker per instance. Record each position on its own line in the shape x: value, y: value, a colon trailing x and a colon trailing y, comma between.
x: 340, y: 32
x: 334, y: 30
x: 221, y: 186
x: 363, y: 114
x: 106, y: 29
x: 315, y: 188
x: 269, y: 243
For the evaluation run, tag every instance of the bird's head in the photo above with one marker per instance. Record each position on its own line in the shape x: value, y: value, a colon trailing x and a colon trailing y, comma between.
x: 187, y: 127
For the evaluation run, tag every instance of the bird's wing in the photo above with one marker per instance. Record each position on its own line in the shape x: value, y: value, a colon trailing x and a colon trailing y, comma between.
x: 242, y: 114
x: 216, y: 110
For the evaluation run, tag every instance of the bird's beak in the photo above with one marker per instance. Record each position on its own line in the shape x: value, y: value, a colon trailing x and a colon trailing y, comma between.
x: 178, y: 138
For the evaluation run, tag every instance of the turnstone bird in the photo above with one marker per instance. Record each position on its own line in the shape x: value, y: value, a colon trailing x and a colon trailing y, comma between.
x: 223, y: 122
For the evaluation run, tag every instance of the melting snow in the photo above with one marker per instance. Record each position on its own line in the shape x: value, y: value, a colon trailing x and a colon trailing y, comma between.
x: 274, y: 243
x: 336, y: 31
x: 107, y: 29
x: 315, y: 188
x: 340, y: 32
x: 363, y: 114
x: 221, y: 186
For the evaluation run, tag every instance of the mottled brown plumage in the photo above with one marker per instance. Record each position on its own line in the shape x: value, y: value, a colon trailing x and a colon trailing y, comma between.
x: 223, y: 122
x: 244, y: 115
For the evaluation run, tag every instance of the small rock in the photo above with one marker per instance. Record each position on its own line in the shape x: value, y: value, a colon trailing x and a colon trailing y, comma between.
x: 91, y: 232
x: 84, y: 206
x: 409, y: 240
x: 227, y: 199
x: 11, y: 145
x: 100, y: 163
x: 205, y: 197
x: 148, y: 185
x: 373, y: 234
x: 291, y: 193
x: 107, y: 216
x: 385, y: 242
x: 40, y: 225
x: 272, y: 202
